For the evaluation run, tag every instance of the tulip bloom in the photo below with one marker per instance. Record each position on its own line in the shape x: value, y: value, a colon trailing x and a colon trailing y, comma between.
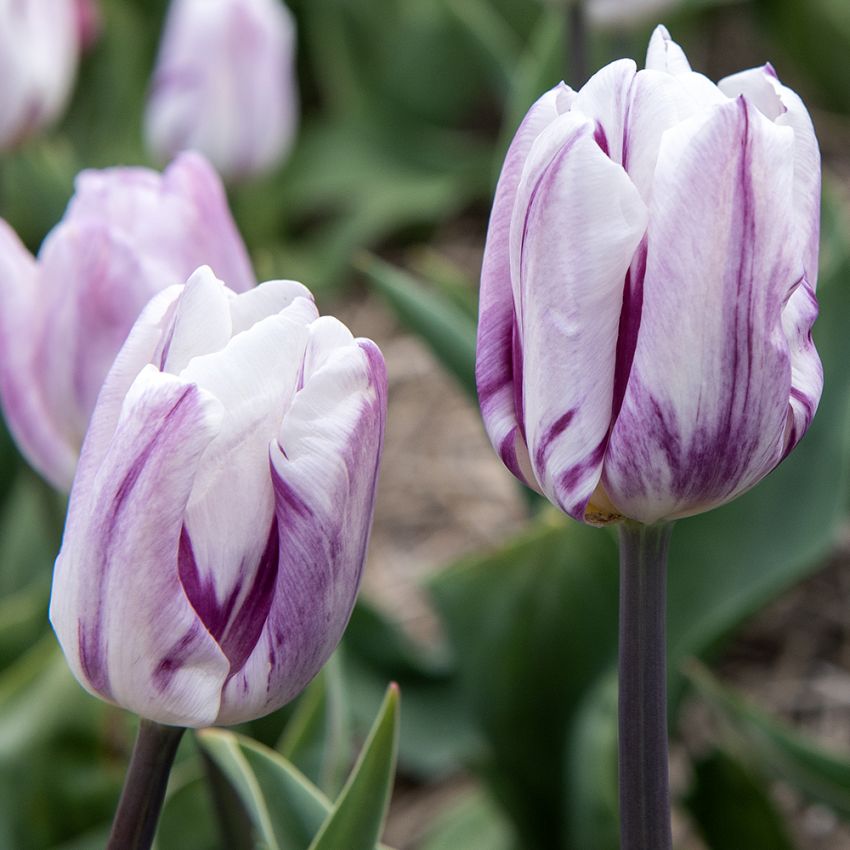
x: 225, y: 84
x: 127, y: 234
x: 648, y: 289
x: 220, y: 514
x: 39, y: 50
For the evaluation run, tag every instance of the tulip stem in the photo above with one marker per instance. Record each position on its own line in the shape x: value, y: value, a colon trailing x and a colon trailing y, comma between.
x: 577, y: 47
x: 644, y: 784
x: 138, y: 810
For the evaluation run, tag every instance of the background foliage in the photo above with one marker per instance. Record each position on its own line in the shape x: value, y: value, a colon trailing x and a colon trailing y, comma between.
x: 408, y: 106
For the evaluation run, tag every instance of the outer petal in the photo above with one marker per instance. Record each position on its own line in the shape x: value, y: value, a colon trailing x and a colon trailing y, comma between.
x: 762, y: 88
x: 230, y: 513
x: 704, y: 414
x: 37, y: 433
x: 664, y: 54
x: 119, y: 610
x: 495, y: 360
x: 806, y: 370
x: 577, y: 232
x: 324, y: 472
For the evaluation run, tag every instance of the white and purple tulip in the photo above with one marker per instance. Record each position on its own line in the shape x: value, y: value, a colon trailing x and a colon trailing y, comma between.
x: 127, y: 234
x: 225, y: 84
x: 221, y: 510
x: 40, y: 43
x: 648, y: 289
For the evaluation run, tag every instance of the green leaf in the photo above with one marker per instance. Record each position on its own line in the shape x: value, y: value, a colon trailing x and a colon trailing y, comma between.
x: 282, y: 804
x: 447, y: 329
x: 358, y: 815
x: 473, y: 823
x: 732, y: 807
x: 592, y: 804
x: 317, y: 738
x: 820, y: 775
x: 533, y: 626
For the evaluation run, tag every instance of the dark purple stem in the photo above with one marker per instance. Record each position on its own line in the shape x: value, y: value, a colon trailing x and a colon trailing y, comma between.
x: 644, y: 785
x: 577, y: 46
x: 138, y: 810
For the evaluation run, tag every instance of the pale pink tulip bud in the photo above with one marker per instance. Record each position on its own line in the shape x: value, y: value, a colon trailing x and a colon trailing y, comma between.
x: 225, y: 84
x: 127, y: 234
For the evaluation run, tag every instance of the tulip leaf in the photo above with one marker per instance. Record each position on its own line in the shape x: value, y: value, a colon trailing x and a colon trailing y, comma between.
x: 285, y: 808
x: 316, y: 739
x: 357, y: 817
x: 473, y: 823
x: 445, y: 327
x: 821, y: 775
x: 731, y: 806
x: 533, y: 625
x: 592, y: 805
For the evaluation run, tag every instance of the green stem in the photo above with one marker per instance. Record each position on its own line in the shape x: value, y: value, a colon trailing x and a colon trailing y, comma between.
x: 138, y: 810
x: 644, y: 784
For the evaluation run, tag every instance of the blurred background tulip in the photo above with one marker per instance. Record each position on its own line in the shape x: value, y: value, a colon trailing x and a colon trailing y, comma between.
x: 40, y: 43
x: 225, y: 84
x: 647, y: 294
x: 219, y: 518
x: 127, y: 234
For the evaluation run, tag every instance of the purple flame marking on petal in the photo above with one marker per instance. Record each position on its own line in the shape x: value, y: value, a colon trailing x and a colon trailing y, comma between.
x: 570, y: 478
x: 601, y: 139
x: 629, y: 327
x: 549, y: 436
x: 236, y: 630
x: 175, y: 658
x: 90, y: 634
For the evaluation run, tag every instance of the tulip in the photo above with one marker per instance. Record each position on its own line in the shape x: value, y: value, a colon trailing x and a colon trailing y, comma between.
x: 127, y: 234
x: 648, y: 289
x: 220, y: 514
x: 225, y: 84
x: 39, y: 51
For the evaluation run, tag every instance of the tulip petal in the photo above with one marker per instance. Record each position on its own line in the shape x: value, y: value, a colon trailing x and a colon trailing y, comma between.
x: 324, y: 470
x: 705, y: 408
x: 578, y: 222
x: 266, y: 300
x: 230, y: 513
x: 30, y: 418
x: 657, y: 102
x: 604, y: 98
x: 494, y: 363
x: 779, y: 103
x: 806, y: 370
x: 118, y: 607
x: 201, y: 323
x: 663, y: 54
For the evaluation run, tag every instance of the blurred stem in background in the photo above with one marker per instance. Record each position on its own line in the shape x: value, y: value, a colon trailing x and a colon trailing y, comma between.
x: 577, y: 42
x: 642, y: 702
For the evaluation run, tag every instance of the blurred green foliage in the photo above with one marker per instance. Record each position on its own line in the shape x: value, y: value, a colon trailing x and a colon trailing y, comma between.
x: 408, y: 106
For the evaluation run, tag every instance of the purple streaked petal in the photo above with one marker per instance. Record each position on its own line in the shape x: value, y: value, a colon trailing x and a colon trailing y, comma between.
x: 231, y: 509
x: 705, y: 409
x: 324, y: 472
x: 657, y: 102
x: 38, y: 434
x: 806, y: 371
x: 118, y: 608
x: 604, y: 99
x: 494, y: 364
x: 762, y: 88
x: 578, y: 230
x: 664, y: 54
